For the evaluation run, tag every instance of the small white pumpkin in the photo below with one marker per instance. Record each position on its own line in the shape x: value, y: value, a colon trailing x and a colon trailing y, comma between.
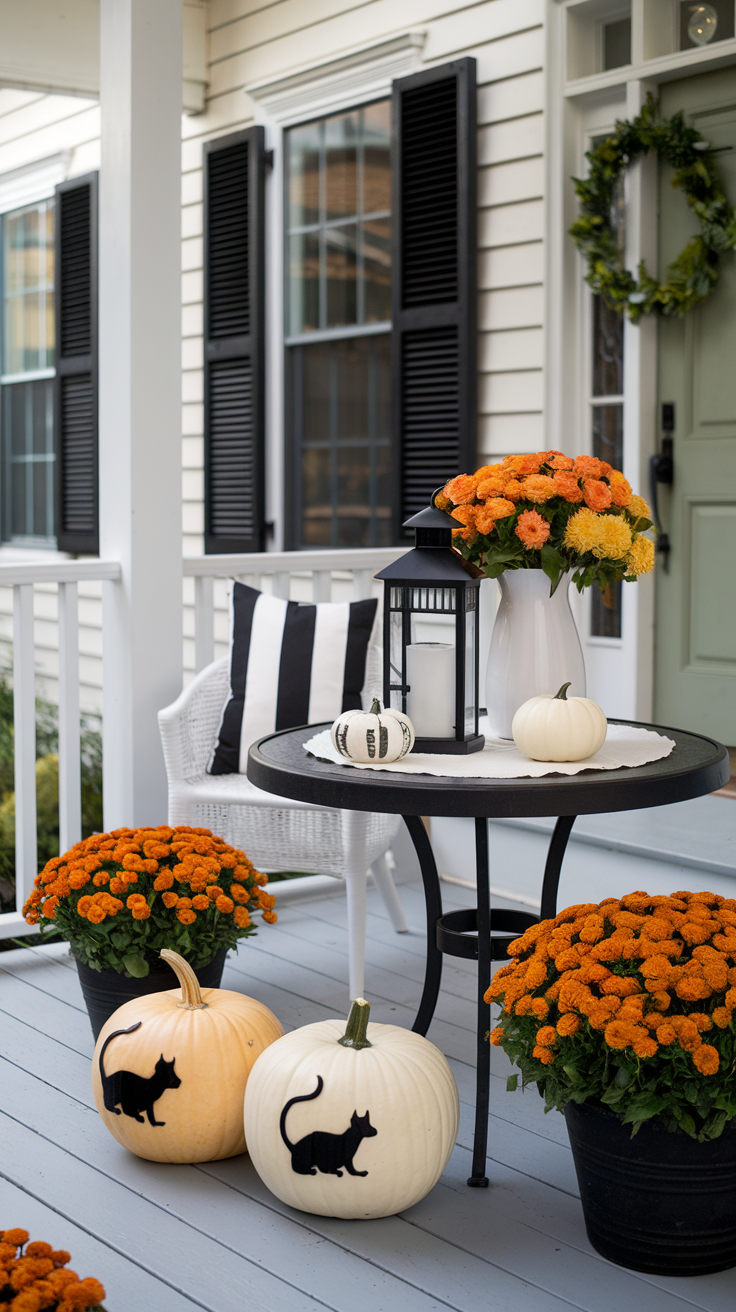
x: 376, y: 735
x: 559, y: 728
x: 354, y: 1122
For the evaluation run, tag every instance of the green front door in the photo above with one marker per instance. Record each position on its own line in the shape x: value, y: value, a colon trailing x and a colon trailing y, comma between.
x: 695, y: 633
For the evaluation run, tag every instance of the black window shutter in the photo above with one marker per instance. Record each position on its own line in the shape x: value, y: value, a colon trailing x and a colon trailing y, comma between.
x: 434, y: 273
x: 75, y: 386
x: 234, y: 424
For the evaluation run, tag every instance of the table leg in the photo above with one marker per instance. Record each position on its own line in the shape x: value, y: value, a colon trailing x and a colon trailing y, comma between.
x: 433, y: 901
x: 552, y: 869
x: 479, y: 1179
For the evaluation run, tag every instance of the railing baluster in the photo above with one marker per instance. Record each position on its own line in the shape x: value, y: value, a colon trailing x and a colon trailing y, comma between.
x: 204, y: 622
x: 282, y: 585
x: 361, y: 584
x: 70, y: 783
x: 24, y: 741
x: 321, y: 585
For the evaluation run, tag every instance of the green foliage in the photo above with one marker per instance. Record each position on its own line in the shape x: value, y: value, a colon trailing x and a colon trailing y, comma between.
x: 692, y: 277
x: 47, y: 784
x: 668, y: 1086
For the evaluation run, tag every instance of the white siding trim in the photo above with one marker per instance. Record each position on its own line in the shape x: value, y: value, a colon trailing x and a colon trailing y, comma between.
x: 33, y: 182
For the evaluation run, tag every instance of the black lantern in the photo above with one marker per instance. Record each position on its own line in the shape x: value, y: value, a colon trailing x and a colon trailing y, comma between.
x: 430, y: 637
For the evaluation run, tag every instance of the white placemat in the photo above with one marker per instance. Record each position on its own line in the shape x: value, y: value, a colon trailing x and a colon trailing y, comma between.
x: 624, y: 746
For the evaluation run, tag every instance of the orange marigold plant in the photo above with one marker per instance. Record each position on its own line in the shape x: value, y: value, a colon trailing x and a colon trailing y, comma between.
x: 38, y: 1278
x: 548, y: 511
x: 628, y: 1003
x: 119, y: 898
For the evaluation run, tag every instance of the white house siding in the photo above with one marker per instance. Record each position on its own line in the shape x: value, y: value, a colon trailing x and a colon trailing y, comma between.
x: 248, y: 44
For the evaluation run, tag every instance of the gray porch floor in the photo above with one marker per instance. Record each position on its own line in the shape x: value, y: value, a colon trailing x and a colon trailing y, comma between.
x: 170, y: 1238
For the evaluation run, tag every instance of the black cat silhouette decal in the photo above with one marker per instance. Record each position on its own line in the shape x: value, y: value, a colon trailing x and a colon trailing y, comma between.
x: 321, y: 1151
x: 135, y: 1093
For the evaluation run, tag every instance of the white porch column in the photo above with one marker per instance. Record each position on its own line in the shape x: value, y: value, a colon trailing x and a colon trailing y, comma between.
x: 140, y: 395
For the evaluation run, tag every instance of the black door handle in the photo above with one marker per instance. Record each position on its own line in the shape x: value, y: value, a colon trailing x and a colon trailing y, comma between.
x: 662, y: 470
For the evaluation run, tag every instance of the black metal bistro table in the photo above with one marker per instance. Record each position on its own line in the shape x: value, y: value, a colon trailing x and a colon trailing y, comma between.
x: 280, y: 765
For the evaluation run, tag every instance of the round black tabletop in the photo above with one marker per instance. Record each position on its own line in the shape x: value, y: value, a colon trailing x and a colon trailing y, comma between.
x: 279, y: 764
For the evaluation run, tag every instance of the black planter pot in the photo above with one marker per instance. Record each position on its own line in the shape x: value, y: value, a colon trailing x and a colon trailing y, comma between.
x: 105, y: 990
x: 659, y: 1202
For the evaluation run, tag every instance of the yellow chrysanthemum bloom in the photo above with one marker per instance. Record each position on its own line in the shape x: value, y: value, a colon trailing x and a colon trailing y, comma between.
x: 641, y: 557
x: 638, y: 508
x: 615, y: 538
x: 583, y: 532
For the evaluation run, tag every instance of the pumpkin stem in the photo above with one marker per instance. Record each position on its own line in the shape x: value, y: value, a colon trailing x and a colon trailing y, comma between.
x: 191, y: 994
x: 376, y: 708
x: 355, y: 1030
x: 561, y: 696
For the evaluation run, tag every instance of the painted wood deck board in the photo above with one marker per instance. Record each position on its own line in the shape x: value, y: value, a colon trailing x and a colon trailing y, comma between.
x: 213, y: 1236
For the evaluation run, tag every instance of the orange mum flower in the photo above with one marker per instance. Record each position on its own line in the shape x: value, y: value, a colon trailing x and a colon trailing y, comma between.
x: 620, y: 489
x: 170, y: 899
x: 214, y: 891
x: 539, y: 487
x: 533, y: 529
x: 96, y: 915
x: 524, y: 465
x: 225, y: 905
x: 186, y: 916
x: 706, y: 1059
x: 270, y: 917
x: 461, y: 490
x: 590, y: 467
x: 242, y: 917
x: 557, y: 461
x: 513, y: 490
x: 597, y: 494
x: 568, y: 1024
x: 545, y: 1055
x: 239, y: 894
x: 200, y: 902
x: 465, y: 515
x: 500, y: 507
x: 484, y: 521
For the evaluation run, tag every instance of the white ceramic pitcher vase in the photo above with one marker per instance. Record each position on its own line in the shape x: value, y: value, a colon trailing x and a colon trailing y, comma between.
x: 535, y: 646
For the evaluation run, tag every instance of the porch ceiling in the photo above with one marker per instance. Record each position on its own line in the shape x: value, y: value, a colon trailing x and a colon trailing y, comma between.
x: 54, y: 46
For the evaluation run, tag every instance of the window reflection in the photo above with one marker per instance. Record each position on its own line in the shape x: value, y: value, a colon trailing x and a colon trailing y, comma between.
x: 28, y: 251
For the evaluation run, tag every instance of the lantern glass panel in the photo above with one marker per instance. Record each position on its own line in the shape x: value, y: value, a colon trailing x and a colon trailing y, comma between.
x: 471, y: 620
x: 396, y: 650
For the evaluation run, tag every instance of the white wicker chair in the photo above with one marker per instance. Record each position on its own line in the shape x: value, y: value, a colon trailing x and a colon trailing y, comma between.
x: 277, y: 833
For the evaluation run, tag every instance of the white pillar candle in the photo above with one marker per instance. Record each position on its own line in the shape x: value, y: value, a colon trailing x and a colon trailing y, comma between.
x: 430, y: 702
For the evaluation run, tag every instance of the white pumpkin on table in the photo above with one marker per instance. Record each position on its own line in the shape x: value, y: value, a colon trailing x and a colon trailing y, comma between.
x: 376, y: 736
x: 356, y: 1122
x: 559, y: 728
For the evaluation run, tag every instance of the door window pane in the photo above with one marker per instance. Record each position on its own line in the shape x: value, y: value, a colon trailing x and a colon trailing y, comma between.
x: 608, y: 349
x: 28, y: 259
x: 341, y: 398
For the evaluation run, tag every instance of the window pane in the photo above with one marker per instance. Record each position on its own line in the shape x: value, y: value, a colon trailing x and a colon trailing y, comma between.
x: 28, y: 255
x: 28, y: 459
x: 304, y: 156
x: 341, y: 167
x: 617, y: 43
x: 342, y: 429
x: 608, y: 434
x: 377, y: 158
x: 377, y: 270
x: 340, y: 189
x: 605, y: 618
x: 341, y: 279
x: 608, y: 349
x: 304, y: 282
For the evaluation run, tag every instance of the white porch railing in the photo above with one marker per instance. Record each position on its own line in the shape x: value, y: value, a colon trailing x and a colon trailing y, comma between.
x: 22, y: 578
x: 297, y: 575
x: 313, y: 575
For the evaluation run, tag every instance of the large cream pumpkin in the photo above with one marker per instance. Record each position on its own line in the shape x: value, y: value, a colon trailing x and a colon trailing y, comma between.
x: 357, y: 1122
x: 170, y: 1069
x: 559, y: 728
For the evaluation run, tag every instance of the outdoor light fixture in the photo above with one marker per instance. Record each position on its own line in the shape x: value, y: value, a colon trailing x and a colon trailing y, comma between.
x: 703, y: 23
x: 430, y: 637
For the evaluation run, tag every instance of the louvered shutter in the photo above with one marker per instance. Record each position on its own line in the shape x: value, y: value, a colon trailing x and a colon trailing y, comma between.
x: 233, y: 349
x: 75, y: 387
x: 434, y: 338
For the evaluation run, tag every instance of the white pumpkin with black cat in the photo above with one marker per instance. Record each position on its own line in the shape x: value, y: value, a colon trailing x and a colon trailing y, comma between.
x: 356, y: 1122
x: 170, y: 1069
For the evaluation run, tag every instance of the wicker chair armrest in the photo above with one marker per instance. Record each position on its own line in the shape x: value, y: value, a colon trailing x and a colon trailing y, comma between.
x: 189, y: 726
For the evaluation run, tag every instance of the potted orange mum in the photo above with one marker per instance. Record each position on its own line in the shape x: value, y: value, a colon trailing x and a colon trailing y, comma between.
x: 534, y: 522
x: 622, y: 1014
x: 38, y: 1278
x: 119, y: 898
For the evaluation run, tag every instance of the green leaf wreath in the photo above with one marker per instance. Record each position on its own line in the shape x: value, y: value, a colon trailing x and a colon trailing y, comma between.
x: 694, y: 274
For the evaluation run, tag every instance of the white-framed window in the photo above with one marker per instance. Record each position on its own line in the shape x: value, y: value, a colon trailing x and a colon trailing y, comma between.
x: 28, y: 353
x: 337, y: 232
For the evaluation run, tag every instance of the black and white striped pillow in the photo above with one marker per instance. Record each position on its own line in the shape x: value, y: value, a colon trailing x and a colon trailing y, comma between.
x: 290, y: 664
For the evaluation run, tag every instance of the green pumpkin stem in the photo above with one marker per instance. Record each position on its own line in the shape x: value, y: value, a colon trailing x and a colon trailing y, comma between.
x: 376, y: 708
x: 561, y: 696
x: 355, y: 1030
